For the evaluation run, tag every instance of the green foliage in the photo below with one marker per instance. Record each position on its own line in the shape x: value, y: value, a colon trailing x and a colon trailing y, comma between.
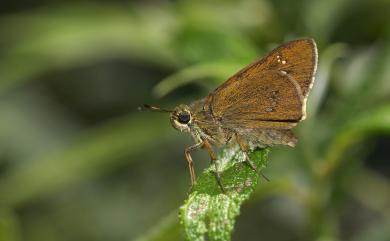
x: 210, y: 210
x: 8, y: 226
x: 84, y: 159
x: 206, y: 73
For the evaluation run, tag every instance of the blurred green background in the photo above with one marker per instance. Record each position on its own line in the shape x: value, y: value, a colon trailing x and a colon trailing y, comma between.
x: 79, y: 162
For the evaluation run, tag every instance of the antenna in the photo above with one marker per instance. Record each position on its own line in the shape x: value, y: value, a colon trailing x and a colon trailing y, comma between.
x: 146, y: 107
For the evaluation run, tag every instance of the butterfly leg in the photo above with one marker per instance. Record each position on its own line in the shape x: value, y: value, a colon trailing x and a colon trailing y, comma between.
x: 213, y: 157
x: 191, y: 162
x: 244, y: 149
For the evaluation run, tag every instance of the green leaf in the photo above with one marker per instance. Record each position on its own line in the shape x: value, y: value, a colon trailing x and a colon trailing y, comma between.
x: 63, y: 37
x: 166, y: 229
x: 363, y: 125
x: 9, y: 226
x: 93, y: 153
x: 210, y: 210
x: 213, y: 71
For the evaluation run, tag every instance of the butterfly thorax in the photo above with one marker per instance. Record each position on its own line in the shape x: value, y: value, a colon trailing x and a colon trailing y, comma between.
x: 208, y: 125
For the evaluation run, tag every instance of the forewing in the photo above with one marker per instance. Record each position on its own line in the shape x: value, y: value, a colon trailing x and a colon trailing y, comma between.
x: 297, y: 58
x: 269, y: 100
x: 272, y: 92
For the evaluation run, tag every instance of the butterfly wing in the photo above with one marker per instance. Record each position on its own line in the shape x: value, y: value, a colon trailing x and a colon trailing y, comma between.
x: 270, y: 93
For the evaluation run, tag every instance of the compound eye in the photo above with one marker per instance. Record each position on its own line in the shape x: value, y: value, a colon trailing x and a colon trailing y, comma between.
x: 184, y: 117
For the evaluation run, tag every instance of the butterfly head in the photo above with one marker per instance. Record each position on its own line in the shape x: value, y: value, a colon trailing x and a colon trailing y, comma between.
x: 181, y: 118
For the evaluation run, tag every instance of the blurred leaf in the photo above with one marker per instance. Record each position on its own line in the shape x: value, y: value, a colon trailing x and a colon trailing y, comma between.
x: 379, y: 81
x: 357, y: 70
x: 215, y: 72
x: 228, y: 16
x: 367, y: 186
x: 377, y: 231
x: 88, y: 156
x: 197, y: 44
x: 9, y: 226
x: 370, y: 122
x: 365, y: 75
x: 322, y: 16
x: 168, y: 229
x: 50, y: 39
x: 320, y: 87
x: 208, y: 209
x: 31, y: 124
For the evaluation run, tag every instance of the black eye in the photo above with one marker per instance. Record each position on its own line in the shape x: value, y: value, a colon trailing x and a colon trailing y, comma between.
x: 184, y: 117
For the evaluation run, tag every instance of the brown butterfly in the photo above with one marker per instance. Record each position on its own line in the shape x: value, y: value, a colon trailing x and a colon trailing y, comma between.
x: 256, y: 107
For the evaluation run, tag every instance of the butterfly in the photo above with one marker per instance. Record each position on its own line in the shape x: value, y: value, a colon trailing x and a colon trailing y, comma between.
x: 256, y: 107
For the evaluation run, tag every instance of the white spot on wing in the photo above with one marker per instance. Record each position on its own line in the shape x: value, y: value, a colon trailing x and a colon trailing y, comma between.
x: 280, y: 60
